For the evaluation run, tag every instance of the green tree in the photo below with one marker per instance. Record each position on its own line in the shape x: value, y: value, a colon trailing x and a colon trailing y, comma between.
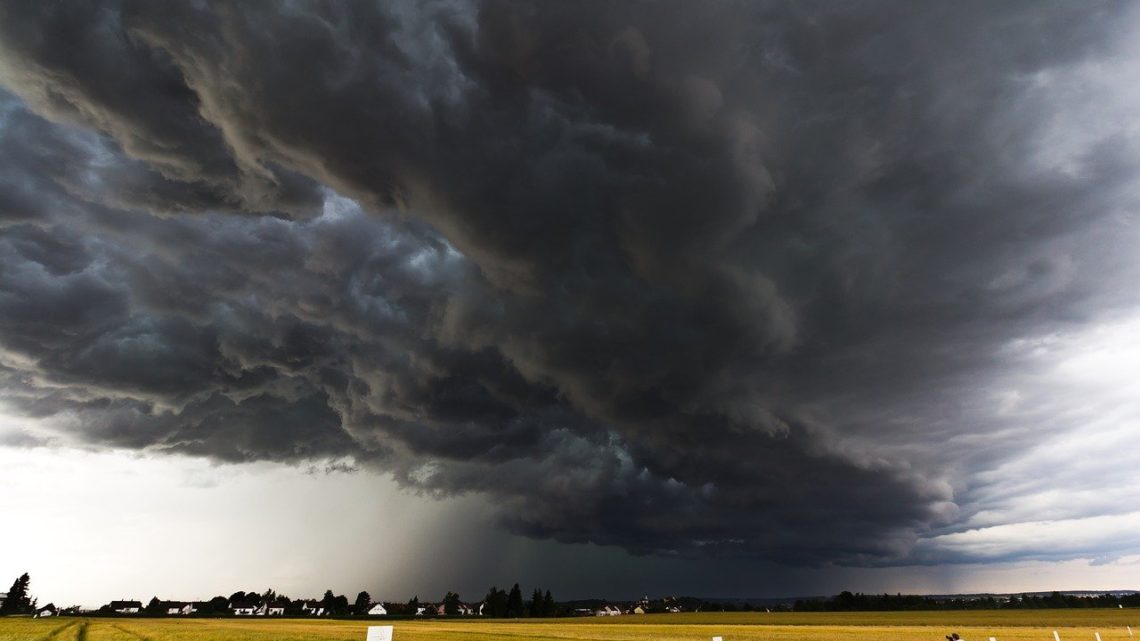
x: 154, y: 607
x: 495, y: 603
x: 535, y: 604
x: 363, y: 603
x: 515, y: 602
x: 19, y: 601
x: 451, y: 604
x: 414, y: 605
x: 549, y: 607
x: 216, y: 605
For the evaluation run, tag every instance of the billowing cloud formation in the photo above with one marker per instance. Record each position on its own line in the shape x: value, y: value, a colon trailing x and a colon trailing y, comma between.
x: 743, y: 280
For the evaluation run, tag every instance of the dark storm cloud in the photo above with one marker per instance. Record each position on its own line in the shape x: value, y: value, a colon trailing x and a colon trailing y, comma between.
x: 724, y: 281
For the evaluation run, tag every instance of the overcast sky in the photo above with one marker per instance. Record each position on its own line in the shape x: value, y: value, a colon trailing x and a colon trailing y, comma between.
x: 717, y: 298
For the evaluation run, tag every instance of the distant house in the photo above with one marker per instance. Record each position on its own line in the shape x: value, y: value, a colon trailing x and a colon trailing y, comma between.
x: 312, y: 607
x: 421, y: 611
x: 126, y: 607
x: 378, y: 610
x: 243, y: 609
x: 47, y: 611
x: 608, y: 611
x: 639, y: 610
x: 466, y: 610
x: 179, y: 608
x: 269, y: 610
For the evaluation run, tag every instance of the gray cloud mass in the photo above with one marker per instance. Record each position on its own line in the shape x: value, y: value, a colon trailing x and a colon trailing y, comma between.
x: 726, y: 279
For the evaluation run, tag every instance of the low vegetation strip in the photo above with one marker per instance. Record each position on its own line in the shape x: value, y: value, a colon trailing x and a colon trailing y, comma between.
x: 1073, y: 625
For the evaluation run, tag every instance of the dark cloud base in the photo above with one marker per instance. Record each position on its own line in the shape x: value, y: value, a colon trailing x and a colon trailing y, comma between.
x: 702, y: 283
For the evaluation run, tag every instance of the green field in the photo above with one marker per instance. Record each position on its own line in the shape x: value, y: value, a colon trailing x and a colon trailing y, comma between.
x: 1017, y: 625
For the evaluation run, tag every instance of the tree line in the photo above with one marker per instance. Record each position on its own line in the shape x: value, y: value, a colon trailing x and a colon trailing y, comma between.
x: 857, y: 602
x: 501, y: 604
x: 497, y: 603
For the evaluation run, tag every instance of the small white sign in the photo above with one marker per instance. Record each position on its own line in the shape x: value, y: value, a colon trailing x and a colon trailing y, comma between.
x: 718, y: 638
x: 1056, y: 637
x: 379, y: 633
x: 993, y: 638
x: 1097, y: 635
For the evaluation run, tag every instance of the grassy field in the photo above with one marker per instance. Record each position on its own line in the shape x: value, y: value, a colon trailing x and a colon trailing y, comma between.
x: 1021, y: 625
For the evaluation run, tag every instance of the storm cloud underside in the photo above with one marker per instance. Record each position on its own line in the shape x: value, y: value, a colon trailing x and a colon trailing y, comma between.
x: 757, y: 280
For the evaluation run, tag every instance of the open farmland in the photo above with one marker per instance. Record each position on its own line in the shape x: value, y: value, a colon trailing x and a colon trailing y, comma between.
x: 880, y: 626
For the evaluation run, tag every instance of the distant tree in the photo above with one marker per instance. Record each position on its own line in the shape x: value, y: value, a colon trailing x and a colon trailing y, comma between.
x: 154, y: 607
x: 515, y: 602
x: 19, y: 601
x: 237, y: 597
x: 451, y: 604
x: 269, y: 597
x: 495, y: 603
x: 328, y: 602
x: 414, y: 605
x: 216, y: 605
x: 340, y: 604
x: 363, y: 603
x: 534, y: 606
x: 549, y: 607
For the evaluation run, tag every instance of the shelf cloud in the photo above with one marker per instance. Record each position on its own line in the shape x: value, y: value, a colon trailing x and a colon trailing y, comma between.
x: 802, y: 282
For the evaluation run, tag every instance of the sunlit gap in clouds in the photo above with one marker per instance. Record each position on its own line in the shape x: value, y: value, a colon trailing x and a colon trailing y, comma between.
x: 1072, y: 492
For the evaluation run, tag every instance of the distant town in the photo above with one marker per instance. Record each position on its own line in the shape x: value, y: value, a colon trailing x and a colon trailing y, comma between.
x: 499, y: 603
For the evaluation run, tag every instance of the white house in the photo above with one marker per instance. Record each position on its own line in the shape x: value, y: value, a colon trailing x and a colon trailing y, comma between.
x: 608, y: 611
x: 46, y: 611
x: 378, y: 610
x: 312, y: 607
x: 270, y: 610
x: 126, y: 607
x: 180, y: 609
x: 244, y: 610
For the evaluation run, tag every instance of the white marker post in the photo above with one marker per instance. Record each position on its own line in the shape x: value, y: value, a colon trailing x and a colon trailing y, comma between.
x: 993, y: 638
x: 1056, y: 637
x: 1129, y: 630
x: 379, y: 633
x: 1097, y: 635
x: 718, y: 639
